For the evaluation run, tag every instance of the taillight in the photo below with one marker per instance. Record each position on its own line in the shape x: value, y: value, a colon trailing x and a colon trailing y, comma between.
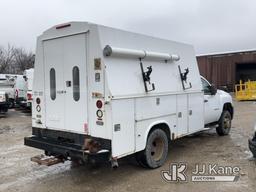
x: 99, y: 104
x: 29, y: 96
x: 38, y: 101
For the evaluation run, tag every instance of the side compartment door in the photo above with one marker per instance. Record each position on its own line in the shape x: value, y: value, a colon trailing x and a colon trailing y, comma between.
x: 195, y: 112
x: 123, y: 141
x: 182, y: 114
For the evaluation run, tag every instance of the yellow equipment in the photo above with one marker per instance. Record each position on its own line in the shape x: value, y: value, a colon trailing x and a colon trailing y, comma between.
x: 246, y: 91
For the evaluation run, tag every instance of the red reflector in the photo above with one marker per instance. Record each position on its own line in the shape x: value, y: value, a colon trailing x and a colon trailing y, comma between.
x: 63, y: 26
x: 99, y: 104
x: 29, y: 96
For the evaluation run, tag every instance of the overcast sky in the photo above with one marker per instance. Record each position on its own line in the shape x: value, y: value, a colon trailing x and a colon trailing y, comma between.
x: 210, y: 25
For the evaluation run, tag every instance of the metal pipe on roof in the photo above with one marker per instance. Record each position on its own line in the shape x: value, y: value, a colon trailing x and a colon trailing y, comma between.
x: 139, y: 54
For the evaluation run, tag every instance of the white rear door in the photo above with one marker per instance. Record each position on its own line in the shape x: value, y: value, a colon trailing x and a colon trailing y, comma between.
x: 66, y: 83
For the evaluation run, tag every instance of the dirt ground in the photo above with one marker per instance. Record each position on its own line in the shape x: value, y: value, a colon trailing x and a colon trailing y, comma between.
x: 18, y: 173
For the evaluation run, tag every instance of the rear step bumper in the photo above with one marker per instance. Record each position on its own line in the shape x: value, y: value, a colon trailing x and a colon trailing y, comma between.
x: 69, y: 145
x: 66, y: 150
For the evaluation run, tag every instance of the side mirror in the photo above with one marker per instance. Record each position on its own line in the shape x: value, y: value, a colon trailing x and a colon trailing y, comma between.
x: 213, y: 89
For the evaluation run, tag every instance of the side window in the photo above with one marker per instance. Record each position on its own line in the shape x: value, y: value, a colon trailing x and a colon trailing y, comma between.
x: 206, y: 86
x: 52, y: 84
x: 76, y: 83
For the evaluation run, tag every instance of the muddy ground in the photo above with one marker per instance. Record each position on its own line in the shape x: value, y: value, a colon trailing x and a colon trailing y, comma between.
x: 18, y: 173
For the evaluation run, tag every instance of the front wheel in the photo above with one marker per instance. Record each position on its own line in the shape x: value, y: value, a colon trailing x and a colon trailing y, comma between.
x: 224, y: 124
x: 156, y: 150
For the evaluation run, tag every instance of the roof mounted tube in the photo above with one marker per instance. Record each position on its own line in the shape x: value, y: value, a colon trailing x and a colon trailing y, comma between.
x: 139, y: 54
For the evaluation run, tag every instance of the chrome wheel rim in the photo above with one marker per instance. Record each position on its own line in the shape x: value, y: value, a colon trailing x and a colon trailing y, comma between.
x: 157, y: 149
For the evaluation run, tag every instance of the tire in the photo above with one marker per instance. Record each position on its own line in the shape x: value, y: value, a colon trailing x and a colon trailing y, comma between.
x: 224, y: 124
x: 12, y: 104
x: 156, y: 150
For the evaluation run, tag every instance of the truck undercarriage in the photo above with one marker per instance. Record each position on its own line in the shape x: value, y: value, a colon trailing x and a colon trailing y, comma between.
x: 70, y: 146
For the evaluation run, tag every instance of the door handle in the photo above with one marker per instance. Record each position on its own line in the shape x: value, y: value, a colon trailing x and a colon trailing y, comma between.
x: 61, y: 92
x: 205, y: 100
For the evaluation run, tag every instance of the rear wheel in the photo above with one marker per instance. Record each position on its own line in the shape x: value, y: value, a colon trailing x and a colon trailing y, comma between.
x: 156, y: 150
x: 224, y: 124
x: 11, y: 103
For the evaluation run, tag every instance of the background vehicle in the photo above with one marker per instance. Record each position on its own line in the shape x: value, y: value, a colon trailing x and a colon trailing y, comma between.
x: 20, y: 89
x: 104, y: 92
x: 28, y: 78
x: 7, y: 83
x: 252, y: 143
x: 4, y: 104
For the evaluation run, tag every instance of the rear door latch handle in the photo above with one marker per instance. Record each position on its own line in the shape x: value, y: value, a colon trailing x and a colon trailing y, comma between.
x: 61, y: 92
x: 205, y: 100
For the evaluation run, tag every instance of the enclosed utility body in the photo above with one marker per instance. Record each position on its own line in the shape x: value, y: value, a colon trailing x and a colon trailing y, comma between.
x: 104, y: 92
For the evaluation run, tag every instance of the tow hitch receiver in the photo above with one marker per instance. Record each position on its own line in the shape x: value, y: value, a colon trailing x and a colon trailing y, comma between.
x: 45, y: 160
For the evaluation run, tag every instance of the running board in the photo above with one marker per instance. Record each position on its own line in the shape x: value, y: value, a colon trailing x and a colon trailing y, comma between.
x: 45, y: 160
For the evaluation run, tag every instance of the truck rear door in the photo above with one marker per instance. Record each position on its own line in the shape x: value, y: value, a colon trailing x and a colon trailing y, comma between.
x: 66, y: 83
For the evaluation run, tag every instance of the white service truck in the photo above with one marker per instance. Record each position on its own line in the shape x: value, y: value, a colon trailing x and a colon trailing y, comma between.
x: 14, y: 86
x: 28, y: 76
x: 4, y: 104
x: 104, y: 93
x: 20, y: 89
x: 7, y: 83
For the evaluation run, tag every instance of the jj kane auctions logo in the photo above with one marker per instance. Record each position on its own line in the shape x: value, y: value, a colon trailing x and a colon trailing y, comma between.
x: 201, y: 173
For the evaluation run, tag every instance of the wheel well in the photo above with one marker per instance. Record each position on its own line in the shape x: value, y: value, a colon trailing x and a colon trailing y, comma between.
x: 229, y: 107
x: 162, y: 126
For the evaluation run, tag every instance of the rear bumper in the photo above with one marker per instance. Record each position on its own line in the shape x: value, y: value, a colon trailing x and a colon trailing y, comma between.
x: 67, y: 145
x: 26, y: 104
x: 252, y: 145
x: 4, y: 106
x: 20, y: 100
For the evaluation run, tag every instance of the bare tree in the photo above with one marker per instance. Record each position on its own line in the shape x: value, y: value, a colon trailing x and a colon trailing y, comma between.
x: 15, y: 60
x: 23, y: 60
x: 6, y: 59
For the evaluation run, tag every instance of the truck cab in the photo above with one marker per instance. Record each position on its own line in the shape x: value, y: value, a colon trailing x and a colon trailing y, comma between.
x: 216, y: 104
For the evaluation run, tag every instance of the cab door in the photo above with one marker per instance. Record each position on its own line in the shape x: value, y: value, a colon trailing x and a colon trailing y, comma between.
x: 211, y: 103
